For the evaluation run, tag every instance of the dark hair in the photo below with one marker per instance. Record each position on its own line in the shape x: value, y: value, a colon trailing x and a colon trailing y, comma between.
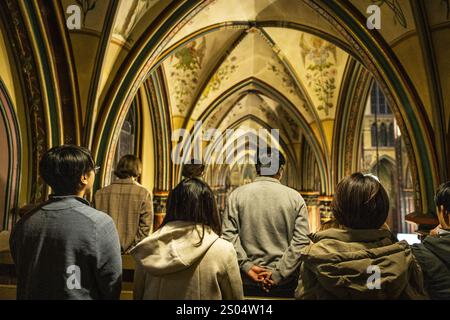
x: 360, y: 202
x: 192, y: 170
x: 62, y: 168
x: 193, y: 200
x: 442, y: 197
x: 269, y: 159
x: 128, y: 166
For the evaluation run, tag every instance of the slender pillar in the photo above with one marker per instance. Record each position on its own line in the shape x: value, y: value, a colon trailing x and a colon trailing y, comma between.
x: 159, y: 207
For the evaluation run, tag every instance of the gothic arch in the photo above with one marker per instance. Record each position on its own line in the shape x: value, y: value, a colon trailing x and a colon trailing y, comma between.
x: 368, y: 47
x: 10, y: 161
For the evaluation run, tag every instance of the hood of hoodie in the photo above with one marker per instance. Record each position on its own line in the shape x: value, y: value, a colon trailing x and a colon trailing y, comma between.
x: 174, y: 247
x: 342, y: 260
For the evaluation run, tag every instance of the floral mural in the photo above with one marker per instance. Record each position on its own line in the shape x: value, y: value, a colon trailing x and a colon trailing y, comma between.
x: 319, y: 58
x: 281, y: 72
x: 222, y: 74
x: 185, y: 72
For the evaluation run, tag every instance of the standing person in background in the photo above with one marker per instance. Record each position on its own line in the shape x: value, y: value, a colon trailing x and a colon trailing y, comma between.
x: 193, y: 170
x: 128, y: 203
x: 65, y: 249
x: 267, y: 223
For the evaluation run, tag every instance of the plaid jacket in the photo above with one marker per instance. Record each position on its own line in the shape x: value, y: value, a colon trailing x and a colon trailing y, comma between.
x: 130, y: 206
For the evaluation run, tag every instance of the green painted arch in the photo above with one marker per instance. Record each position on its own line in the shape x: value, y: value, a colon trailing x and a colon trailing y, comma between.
x: 378, y: 53
x: 14, y: 141
x: 400, y: 87
x: 274, y: 94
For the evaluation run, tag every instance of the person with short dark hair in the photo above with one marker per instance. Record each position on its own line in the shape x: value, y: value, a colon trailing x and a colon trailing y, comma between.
x: 193, y: 170
x: 359, y: 258
x: 65, y: 249
x: 186, y: 259
x: 267, y: 223
x: 128, y: 203
x: 433, y: 253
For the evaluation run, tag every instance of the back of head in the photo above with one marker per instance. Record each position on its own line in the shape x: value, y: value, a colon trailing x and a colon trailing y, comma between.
x: 442, y: 200
x: 360, y: 202
x: 193, y: 170
x: 129, y: 166
x: 269, y: 162
x: 62, y: 168
x: 193, y: 201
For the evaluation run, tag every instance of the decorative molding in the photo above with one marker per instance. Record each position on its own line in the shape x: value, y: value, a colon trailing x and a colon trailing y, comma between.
x: 30, y: 84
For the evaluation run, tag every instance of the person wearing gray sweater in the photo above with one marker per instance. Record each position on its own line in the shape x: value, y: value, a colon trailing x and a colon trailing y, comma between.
x: 267, y: 223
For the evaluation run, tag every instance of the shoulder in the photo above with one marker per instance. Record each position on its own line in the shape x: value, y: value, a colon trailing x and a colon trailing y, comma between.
x: 93, y: 216
x: 104, y: 191
x: 141, y: 189
x: 223, y: 248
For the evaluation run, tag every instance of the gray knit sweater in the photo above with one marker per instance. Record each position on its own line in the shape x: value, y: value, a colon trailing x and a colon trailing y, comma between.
x: 267, y: 223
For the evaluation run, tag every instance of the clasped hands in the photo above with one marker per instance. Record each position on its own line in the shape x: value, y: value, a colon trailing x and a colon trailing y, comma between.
x: 262, y: 277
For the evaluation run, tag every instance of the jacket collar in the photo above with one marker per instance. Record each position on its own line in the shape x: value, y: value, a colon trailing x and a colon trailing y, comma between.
x: 124, y: 181
x: 269, y: 179
x: 64, y: 202
x: 352, y: 235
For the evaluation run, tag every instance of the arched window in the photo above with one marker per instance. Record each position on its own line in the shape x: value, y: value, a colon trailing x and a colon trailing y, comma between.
x: 383, y: 135
x: 374, y: 133
x: 391, y: 135
x: 378, y: 103
x: 373, y: 100
x: 127, y: 140
x: 381, y: 102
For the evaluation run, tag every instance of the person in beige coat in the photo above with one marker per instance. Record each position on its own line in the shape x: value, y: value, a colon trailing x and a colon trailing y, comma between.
x: 186, y: 259
x: 128, y: 203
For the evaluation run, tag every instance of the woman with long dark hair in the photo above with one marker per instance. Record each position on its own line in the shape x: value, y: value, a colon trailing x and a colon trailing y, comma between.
x: 185, y: 258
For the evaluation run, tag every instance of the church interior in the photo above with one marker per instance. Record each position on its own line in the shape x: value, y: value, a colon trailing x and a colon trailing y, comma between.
x: 132, y: 73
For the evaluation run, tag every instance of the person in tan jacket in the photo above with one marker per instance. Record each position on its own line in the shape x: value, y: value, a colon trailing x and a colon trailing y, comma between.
x: 186, y: 259
x: 358, y: 258
x: 128, y: 203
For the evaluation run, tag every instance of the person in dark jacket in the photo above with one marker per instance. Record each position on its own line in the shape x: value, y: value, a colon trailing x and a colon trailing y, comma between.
x: 434, y: 253
x: 65, y: 249
x: 358, y: 258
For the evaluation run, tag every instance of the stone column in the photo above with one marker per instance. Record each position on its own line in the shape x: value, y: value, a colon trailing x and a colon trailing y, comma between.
x: 325, y: 208
x: 159, y: 207
x: 312, y: 202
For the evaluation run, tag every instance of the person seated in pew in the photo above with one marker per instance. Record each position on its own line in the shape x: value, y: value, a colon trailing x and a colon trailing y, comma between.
x: 186, y: 259
x: 64, y: 249
x: 359, y: 258
x: 434, y: 253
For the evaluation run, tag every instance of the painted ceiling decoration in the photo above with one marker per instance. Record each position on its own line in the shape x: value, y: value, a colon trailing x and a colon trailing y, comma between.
x: 284, y: 61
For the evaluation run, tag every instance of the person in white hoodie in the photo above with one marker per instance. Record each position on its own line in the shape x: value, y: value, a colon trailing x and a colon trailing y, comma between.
x: 186, y: 259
